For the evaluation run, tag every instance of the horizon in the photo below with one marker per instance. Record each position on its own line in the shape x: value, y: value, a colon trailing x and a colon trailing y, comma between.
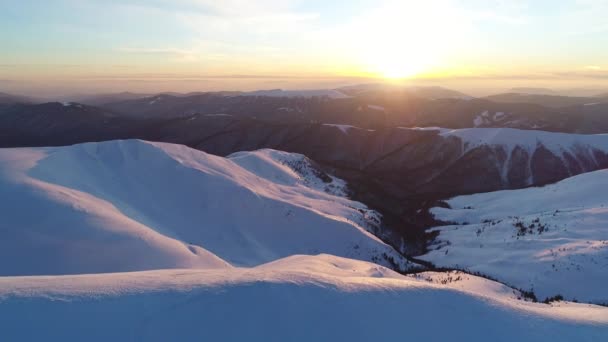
x: 75, y: 96
x: 304, y: 170
x: 156, y: 46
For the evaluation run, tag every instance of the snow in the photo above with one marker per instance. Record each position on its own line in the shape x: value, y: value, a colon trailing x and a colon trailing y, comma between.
x: 484, y: 118
x: 376, y: 107
x: 529, y: 140
x: 134, y: 205
x: 300, y: 298
x: 333, y: 94
x: 481, y: 119
x: 155, y: 100
x: 135, y: 240
x: 580, y: 148
x: 343, y: 128
x: 592, y: 104
x: 71, y: 104
x: 552, y: 240
x: 432, y: 128
x: 498, y: 115
x: 286, y: 109
x: 218, y: 115
x: 290, y: 169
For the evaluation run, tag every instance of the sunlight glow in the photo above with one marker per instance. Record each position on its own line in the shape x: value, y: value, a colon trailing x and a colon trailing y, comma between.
x: 406, y: 39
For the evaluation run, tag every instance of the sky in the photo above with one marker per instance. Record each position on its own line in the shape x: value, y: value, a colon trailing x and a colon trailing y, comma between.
x: 60, y: 47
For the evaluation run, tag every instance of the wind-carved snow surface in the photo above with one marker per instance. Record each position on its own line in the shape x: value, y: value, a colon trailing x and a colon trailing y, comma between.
x: 135, y: 205
x: 299, y: 298
x: 551, y: 240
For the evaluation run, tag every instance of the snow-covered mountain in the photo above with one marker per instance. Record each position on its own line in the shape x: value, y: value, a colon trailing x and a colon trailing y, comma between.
x: 551, y: 240
x: 534, y: 157
x: 394, y: 170
x: 300, y: 298
x: 259, y: 245
x: 135, y: 205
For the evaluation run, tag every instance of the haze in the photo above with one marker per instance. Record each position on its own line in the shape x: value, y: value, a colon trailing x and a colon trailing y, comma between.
x: 61, y: 47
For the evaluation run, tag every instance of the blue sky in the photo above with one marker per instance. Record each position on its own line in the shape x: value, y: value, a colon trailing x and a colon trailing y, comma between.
x: 205, y: 44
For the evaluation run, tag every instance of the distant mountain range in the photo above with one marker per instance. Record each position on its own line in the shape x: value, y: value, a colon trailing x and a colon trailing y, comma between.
x: 9, y: 99
x: 552, y: 101
x: 370, y: 106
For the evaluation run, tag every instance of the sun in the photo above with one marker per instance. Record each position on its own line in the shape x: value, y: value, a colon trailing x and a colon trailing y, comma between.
x: 403, y: 40
x: 396, y: 63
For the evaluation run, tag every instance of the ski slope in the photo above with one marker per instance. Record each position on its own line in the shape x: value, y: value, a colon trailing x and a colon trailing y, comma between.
x: 134, y: 205
x: 300, y: 298
x: 552, y: 240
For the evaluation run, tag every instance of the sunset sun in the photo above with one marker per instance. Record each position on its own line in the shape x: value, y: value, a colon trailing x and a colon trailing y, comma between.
x: 402, y: 40
x: 394, y: 62
x: 304, y: 170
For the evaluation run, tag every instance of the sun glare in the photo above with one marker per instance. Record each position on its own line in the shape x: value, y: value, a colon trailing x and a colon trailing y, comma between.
x: 405, y: 39
x: 393, y: 62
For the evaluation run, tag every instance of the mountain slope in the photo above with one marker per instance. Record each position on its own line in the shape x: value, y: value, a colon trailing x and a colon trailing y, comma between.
x: 398, y: 171
x: 332, y: 94
x: 426, y: 92
x: 401, y: 171
x: 60, y: 124
x: 364, y: 107
x: 552, y: 101
x: 101, y: 99
x: 135, y: 205
x: 526, y: 158
x: 552, y: 240
x: 9, y: 99
x: 301, y: 298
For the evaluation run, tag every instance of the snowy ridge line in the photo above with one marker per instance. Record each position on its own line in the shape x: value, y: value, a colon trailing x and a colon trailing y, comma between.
x: 269, y: 302
x: 300, y: 270
x: 114, y: 198
x: 557, y: 143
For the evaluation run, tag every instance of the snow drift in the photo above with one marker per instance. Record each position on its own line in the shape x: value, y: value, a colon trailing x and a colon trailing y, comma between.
x: 301, y: 298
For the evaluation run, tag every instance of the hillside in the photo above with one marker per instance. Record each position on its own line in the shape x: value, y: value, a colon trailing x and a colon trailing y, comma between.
x: 300, y: 298
x: 550, y: 240
x: 552, y: 101
x: 134, y: 205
